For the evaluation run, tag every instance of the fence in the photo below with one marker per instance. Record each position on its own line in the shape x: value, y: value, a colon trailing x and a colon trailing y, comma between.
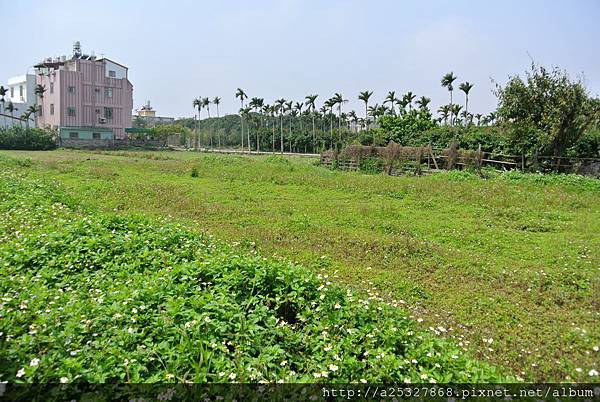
x: 396, y: 160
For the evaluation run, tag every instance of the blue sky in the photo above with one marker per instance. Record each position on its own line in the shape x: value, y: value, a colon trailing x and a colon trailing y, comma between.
x: 178, y: 50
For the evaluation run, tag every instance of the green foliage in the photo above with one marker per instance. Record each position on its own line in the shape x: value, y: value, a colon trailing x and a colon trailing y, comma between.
x: 101, y: 298
x: 588, y: 145
x: 547, y: 111
x: 16, y: 137
x: 402, y: 128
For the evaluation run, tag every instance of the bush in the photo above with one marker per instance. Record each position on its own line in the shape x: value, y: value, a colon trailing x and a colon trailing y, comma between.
x: 34, y: 139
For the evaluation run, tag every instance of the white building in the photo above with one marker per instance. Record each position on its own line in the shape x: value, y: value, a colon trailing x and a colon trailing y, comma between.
x: 21, y: 93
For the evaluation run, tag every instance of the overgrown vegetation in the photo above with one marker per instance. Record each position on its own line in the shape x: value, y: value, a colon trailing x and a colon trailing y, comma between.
x: 101, y: 298
x: 16, y: 137
x: 505, y: 266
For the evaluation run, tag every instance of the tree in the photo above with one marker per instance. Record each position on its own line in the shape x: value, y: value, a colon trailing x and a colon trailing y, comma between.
x: 338, y: 100
x: 40, y: 90
x: 197, y: 104
x: 364, y: 96
x: 10, y: 108
x: 447, y: 81
x: 242, y: 95
x: 31, y: 111
x: 280, y: 105
x: 422, y: 102
x: 546, y: 111
x: 3, y: 92
x: 466, y: 88
x: 217, y: 101
x: 206, y: 104
x: 409, y: 98
x: 310, y: 103
x: 391, y: 99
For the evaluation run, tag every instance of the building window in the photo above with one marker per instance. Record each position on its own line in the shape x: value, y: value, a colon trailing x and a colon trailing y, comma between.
x: 73, y: 134
x: 21, y: 91
x: 51, y: 87
x: 39, y: 110
x: 112, y: 73
x: 52, y: 108
x: 108, y: 113
x: 97, y: 111
x: 71, y: 89
x: 71, y: 111
x: 108, y: 92
x: 97, y: 89
x: 96, y: 136
x: 12, y: 92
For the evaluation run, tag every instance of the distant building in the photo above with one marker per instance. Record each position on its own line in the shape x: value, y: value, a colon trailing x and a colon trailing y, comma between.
x: 84, y: 92
x: 21, y: 93
x: 146, y: 116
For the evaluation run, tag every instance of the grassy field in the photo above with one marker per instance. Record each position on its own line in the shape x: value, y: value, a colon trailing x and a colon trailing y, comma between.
x: 508, y: 267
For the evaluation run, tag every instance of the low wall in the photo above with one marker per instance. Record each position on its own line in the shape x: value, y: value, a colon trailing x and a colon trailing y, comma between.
x: 98, y: 143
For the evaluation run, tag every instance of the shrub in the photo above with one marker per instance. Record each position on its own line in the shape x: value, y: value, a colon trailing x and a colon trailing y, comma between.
x: 35, y: 139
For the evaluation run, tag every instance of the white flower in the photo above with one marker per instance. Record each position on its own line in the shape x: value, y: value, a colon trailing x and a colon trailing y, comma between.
x: 317, y: 375
x: 64, y: 380
x: 73, y: 353
x: 578, y: 369
x: 34, y: 362
x: 283, y: 363
x: 333, y: 367
x: 593, y: 373
x: 363, y: 380
x: 232, y: 376
x: 595, y: 348
x: 337, y: 306
x: 20, y: 373
x: 424, y: 376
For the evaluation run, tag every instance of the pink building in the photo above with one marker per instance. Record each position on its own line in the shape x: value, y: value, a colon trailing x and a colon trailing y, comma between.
x: 84, y: 91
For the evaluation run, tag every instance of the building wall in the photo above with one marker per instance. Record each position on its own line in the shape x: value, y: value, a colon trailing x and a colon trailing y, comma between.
x: 20, y: 103
x: 89, y: 97
x: 85, y: 133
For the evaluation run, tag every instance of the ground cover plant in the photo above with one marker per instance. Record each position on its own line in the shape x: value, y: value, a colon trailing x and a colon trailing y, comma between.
x: 88, y: 296
x: 505, y: 265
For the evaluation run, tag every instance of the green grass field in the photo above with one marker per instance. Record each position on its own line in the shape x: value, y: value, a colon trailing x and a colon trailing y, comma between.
x: 507, y: 267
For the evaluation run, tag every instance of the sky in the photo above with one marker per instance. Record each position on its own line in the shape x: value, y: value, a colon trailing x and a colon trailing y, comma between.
x: 179, y: 50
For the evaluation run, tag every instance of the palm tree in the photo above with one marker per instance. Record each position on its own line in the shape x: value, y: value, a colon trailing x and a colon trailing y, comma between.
x: 391, y: 99
x: 216, y: 101
x: 364, y: 96
x: 3, y: 92
x: 444, y: 111
x: 298, y: 108
x: 422, y: 102
x: 242, y: 95
x: 353, y: 118
x: 40, y: 90
x: 206, y: 104
x: 455, y: 110
x: 447, y: 81
x: 288, y: 110
x: 374, y: 112
x: 280, y: 105
x: 31, y: 110
x: 466, y: 88
x: 197, y: 104
x: 26, y: 116
x: 478, y: 117
x: 330, y: 103
x: 339, y: 100
x: 310, y: 103
x: 409, y: 97
x: 10, y: 108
